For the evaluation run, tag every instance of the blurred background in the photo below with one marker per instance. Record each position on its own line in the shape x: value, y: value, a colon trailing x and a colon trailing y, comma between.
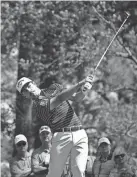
x: 56, y: 41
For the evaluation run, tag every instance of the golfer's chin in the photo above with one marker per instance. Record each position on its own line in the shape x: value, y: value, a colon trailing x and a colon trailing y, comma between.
x: 34, y: 95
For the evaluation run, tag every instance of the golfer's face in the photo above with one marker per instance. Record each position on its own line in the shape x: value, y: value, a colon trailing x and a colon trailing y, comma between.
x: 30, y: 90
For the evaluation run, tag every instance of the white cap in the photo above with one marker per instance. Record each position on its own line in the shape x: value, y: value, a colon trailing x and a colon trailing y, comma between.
x: 44, y: 128
x: 103, y: 140
x: 21, y: 82
x: 19, y: 138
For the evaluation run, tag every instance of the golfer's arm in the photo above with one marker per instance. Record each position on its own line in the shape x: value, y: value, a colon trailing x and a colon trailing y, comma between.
x: 79, y: 96
x: 65, y: 95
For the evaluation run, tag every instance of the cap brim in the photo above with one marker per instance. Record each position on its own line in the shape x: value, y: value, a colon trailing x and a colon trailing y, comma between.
x: 44, y: 131
x: 25, y: 85
x: 20, y: 141
x: 103, y: 142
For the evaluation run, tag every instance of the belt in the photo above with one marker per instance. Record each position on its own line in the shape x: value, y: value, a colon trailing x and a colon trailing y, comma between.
x: 69, y: 129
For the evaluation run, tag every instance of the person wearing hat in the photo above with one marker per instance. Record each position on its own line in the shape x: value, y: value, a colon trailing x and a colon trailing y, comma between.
x: 123, y: 167
x: 41, y: 156
x: 20, y: 165
x: 104, y: 148
x: 103, y: 162
x: 53, y: 107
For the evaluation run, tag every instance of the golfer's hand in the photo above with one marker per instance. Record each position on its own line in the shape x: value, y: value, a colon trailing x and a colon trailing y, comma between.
x: 90, y: 79
x: 88, y: 83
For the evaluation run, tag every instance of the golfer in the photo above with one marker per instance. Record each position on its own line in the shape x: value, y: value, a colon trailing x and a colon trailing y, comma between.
x: 52, y: 105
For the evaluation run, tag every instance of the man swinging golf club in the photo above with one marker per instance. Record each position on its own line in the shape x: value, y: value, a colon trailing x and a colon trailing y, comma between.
x: 52, y: 105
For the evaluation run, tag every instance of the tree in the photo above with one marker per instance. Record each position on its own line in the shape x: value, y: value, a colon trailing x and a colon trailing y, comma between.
x: 63, y: 42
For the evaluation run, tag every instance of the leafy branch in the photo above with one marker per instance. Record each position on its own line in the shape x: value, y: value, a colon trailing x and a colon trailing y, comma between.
x: 129, y: 54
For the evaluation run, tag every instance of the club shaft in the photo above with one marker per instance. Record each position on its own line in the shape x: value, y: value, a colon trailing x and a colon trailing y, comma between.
x: 110, y: 44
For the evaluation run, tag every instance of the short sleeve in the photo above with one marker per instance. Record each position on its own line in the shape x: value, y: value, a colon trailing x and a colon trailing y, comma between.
x: 20, y: 168
x: 34, y: 159
x: 14, y: 168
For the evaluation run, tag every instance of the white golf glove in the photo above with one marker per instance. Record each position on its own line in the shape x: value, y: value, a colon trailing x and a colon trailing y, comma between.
x: 90, y: 79
x: 88, y: 83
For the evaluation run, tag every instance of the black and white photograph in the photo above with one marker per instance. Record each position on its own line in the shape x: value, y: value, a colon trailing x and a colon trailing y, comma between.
x: 68, y: 88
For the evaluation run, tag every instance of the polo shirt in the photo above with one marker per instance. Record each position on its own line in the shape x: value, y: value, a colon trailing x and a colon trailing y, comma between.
x: 19, y: 165
x: 61, y: 116
x: 40, y: 156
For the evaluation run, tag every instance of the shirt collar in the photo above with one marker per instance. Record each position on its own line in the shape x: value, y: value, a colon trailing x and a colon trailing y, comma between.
x: 45, y: 150
x: 23, y: 158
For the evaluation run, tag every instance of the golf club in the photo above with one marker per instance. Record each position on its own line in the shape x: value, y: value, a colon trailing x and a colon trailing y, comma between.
x: 112, y: 41
x: 88, y: 85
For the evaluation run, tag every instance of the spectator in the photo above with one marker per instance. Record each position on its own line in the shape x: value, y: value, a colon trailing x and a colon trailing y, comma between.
x: 103, y: 163
x: 123, y: 167
x: 20, y: 165
x: 132, y: 160
x: 41, y: 156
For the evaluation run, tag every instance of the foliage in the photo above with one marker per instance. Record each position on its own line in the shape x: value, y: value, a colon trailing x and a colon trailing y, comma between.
x: 62, y: 41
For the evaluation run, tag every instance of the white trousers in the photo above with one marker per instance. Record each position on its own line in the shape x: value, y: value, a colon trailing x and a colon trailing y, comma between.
x: 64, y: 144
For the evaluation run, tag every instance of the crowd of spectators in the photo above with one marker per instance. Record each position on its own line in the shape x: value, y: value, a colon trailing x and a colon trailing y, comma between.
x: 107, y: 163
